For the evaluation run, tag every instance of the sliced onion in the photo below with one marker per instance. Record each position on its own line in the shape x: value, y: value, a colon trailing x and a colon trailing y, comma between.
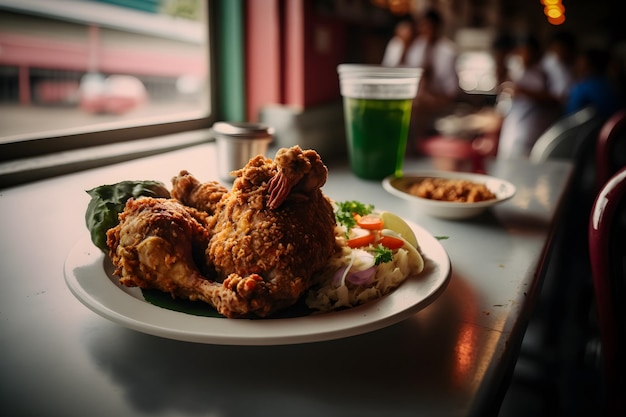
x: 362, y: 260
x: 363, y: 277
x: 392, y: 233
x: 359, y: 271
x: 339, y: 276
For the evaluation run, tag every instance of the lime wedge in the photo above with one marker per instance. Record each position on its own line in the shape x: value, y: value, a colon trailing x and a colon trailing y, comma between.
x: 399, y: 226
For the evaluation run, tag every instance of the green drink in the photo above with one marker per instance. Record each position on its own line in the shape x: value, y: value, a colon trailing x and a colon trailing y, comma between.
x: 377, y: 104
x: 377, y: 135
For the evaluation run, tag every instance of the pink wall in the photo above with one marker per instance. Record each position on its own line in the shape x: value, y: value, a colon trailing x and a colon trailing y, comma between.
x: 324, y: 48
x: 292, y: 55
x: 263, y: 70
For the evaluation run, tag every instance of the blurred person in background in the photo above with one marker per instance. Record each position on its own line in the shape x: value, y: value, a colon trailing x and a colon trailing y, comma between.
x: 559, y: 62
x: 439, y: 84
x: 594, y: 87
x: 533, y: 107
x: 501, y: 49
x: 395, y: 52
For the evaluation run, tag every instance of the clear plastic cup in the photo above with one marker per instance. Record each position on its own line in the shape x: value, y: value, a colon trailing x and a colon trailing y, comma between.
x: 377, y: 110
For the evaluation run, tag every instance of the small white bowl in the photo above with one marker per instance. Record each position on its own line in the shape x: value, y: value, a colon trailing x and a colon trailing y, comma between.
x: 399, y: 186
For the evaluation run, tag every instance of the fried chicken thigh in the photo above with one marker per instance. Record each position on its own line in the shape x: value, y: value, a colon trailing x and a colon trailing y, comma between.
x: 250, y: 253
x: 191, y: 192
x: 275, y: 227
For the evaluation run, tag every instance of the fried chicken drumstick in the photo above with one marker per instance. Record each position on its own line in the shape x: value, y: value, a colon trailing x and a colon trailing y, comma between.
x: 159, y: 243
x: 262, y: 241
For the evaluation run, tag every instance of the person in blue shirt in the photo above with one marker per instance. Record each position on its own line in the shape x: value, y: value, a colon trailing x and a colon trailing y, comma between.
x: 594, y: 87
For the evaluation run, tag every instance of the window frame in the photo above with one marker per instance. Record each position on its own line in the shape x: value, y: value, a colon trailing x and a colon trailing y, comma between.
x: 59, y: 141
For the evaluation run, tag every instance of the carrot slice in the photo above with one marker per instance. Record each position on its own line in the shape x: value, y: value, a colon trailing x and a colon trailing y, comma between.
x: 391, y: 242
x: 361, y: 238
x: 370, y: 222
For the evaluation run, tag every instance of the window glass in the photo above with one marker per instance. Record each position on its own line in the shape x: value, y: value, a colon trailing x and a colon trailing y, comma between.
x: 74, y: 66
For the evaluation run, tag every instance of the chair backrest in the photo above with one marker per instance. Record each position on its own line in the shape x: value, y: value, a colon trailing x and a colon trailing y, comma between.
x: 607, y: 254
x: 565, y: 138
x: 610, y: 152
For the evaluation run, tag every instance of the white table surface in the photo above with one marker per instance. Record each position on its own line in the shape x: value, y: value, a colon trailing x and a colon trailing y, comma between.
x: 58, y: 358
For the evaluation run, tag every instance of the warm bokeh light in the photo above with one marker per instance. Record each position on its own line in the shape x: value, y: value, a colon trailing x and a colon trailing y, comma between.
x: 554, y: 8
x: 397, y: 7
x: 557, y: 20
x: 554, y: 11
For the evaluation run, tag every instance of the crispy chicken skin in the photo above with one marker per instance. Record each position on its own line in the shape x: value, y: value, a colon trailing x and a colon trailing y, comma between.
x: 159, y: 243
x: 191, y: 192
x: 262, y: 241
x: 275, y: 227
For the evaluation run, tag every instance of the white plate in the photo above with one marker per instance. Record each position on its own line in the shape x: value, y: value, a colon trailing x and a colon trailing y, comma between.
x: 88, y: 276
x: 399, y: 186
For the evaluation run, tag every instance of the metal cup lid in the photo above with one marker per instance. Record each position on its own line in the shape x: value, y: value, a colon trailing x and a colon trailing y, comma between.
x: 243, y: 130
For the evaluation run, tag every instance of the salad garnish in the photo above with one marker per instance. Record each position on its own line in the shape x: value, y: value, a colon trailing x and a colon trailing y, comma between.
x: 382, y: 254
x: 344, y: 214
x: 365, y: 229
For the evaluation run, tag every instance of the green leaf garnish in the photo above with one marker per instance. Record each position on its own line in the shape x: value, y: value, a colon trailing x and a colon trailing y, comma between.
x: 344, y: 214
x: 107, y: 201
x: 382, y: 255
x: 165, y: 300
x: 199, y: 308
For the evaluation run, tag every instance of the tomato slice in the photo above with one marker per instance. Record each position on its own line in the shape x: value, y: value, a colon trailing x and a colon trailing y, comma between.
x: 391, y: 242
x: 361, y: 238
x: 370, y: 222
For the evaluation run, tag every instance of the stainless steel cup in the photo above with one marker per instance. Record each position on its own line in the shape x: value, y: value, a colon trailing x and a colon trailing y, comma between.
x: 237, y: 143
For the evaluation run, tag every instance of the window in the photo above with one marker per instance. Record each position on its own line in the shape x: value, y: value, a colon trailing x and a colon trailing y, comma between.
x: 77, y: 73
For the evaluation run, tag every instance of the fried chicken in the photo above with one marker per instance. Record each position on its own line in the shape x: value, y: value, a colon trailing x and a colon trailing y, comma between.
x: 250, y: 253
x: 160, y: 243
x: 191, y: 192
x: 276, y: 227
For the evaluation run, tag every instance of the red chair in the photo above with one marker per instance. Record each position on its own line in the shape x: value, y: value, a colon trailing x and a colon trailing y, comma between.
x: 607, y: 255
x: 611, y: 136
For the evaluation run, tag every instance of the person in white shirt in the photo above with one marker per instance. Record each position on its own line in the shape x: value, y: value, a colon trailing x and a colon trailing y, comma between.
x: 437, y: 55
x: 395, y: 52
x: 533, y: 107
x: 558, y: 64
x: 439, y: 84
